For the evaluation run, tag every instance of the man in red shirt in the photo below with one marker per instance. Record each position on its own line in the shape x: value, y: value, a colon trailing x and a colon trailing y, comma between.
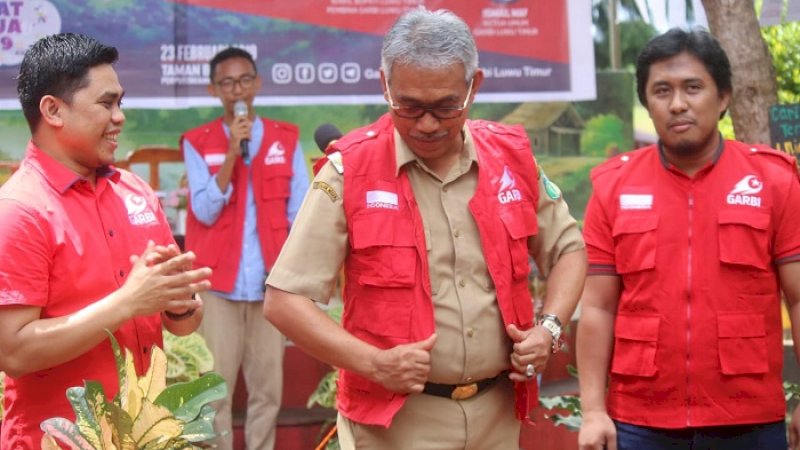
x: 72, y: 228
x: 690, y: 242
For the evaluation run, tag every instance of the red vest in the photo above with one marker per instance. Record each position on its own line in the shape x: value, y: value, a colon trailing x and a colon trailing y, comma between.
x: 698, y: 336
x: 271, y: 173
x: 387, y: 289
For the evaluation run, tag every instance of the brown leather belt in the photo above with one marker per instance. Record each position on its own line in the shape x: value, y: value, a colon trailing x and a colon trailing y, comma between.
x: 460, y: 391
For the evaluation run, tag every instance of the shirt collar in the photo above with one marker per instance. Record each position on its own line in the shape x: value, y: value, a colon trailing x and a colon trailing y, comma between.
x: 404, y: 155
x: 57, y: 174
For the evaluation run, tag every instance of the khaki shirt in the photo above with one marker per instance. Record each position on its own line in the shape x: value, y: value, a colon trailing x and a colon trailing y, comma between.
x: 471, y: 340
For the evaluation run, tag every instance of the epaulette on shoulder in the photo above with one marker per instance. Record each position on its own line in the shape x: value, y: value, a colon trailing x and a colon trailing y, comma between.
x: 356, y: 137
x: 760, y: 149
x: 285, y: 125
x: 499, y: 128
x: 336, y: 160
x: 613, y: 163
x: 776, y: 157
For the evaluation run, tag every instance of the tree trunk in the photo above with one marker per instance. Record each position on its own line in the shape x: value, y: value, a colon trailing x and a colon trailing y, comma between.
x: 755, y: 88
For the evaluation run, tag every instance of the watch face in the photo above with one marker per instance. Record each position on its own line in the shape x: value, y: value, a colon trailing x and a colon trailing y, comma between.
x: 552, y: 327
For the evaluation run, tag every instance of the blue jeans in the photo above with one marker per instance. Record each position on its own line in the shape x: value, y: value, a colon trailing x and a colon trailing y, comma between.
x: 764, y: 436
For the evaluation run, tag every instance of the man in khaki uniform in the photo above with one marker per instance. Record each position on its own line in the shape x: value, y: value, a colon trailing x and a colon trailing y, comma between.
x: 434, y: 217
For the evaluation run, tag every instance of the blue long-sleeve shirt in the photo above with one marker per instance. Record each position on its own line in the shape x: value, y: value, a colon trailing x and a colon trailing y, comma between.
x: 208, y: 201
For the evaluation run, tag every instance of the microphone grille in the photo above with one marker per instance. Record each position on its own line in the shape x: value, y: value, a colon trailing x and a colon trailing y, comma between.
x: 240, y: 108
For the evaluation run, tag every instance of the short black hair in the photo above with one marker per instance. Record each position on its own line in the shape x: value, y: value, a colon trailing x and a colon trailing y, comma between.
x: 57, y: 65
x: 228, y: 53
x: 699, y: 43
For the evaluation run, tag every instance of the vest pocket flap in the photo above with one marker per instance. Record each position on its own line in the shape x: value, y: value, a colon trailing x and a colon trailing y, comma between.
x: 740, y: 325
x: 637, y: 327
x: 520, y: 220
x: 742, y: 343
x: 632, y: 224
x: 752, y: 219
x: 381, y: 229
x: 275, y: 187
x: 278, y: 171
x: 635, y: 345
x: 635, y: 242
x: 744, y: 238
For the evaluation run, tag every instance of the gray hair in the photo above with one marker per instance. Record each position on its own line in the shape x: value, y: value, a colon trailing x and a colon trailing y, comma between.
x: 430, y: 40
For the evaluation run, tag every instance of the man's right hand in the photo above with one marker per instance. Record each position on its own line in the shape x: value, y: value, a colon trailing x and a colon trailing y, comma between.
x: 160, y: 281
x: 597, y: 432
x: 404, y: 369
x: 241, y: 128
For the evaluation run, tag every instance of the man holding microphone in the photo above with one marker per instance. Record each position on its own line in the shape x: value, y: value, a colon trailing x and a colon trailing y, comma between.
x: 247, y: 177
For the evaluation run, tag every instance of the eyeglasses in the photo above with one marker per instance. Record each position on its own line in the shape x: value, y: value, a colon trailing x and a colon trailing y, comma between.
x: 439, y: 112
x: 245, y: 81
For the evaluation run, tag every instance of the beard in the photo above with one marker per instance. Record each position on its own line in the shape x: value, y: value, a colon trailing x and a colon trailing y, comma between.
x: 685, y: 147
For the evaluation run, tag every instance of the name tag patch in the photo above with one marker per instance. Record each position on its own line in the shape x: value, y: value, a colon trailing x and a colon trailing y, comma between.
x: 382, y: 199
x: 214, y: 159
x: 636, y: 201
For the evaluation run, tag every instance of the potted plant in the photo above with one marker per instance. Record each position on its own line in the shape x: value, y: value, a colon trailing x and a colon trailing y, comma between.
x: 146, y: 414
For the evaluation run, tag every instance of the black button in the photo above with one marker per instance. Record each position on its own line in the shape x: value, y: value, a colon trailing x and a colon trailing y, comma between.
x: 144, y: 350
x: 111, y: 233
x: 122, y: 273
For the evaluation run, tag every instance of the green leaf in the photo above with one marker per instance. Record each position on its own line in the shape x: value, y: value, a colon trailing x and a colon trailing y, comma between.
x: 85, y: 417
x: 66, y: 432
x: 154, y: 381
x: 325, y: 393
x: 191, y: 349
x: 155, y: 423
x: 185, y: 400
x: 201, y: 428
x: 119, y: 359
x: 573, y: 423
x: 176, y: 367
x: 123, y: 426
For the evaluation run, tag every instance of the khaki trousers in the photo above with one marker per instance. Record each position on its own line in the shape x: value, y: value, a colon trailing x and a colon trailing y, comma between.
x: 427, y: 422
x: 239, y: 336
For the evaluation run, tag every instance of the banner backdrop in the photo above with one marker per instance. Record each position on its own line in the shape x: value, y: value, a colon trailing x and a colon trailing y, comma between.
x: 307, y: 51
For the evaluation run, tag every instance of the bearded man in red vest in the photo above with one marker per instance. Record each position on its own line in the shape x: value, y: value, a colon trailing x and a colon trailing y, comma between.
x: 247, y: 177
x: 680, y: 343
x: 434, y: 218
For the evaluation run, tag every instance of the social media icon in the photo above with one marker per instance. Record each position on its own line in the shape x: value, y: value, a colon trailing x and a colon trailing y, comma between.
x: 328, y: 73
x: 304, y: 73
x: 282, y: 73
x: 351, y: 72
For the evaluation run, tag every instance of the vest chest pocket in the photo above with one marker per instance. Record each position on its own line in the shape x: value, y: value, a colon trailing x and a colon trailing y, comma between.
x: 635, y: 242
x: 521, y: 223
x: 635, y: 345
x: 744, y: 238
x: 276, y: 187
x: 742, y: 343
x: 383, y: 250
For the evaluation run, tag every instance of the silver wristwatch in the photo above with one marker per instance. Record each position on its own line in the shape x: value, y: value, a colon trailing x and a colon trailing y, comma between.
x: 551, y: 323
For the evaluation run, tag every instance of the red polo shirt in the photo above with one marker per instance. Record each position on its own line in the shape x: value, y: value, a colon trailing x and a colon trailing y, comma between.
x: 65, y: 245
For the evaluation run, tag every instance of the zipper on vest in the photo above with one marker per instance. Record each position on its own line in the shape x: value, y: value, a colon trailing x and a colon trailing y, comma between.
x: 689, y: 311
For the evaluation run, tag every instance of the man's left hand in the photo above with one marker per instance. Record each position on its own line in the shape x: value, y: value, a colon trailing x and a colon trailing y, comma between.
x: 531, y: 346
x: 794, y: 430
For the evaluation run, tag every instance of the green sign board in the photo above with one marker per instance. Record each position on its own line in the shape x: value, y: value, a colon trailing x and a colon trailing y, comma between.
x: 784, y: 128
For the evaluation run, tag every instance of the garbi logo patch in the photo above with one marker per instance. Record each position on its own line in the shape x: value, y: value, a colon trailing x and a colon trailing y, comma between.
x: 138, y: 212
x: 744, y: 193
x: 275, y: 154
x: 508, y: 191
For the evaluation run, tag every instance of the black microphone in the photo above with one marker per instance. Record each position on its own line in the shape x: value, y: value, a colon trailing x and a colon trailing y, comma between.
x: 240, y: 109
x: 325, y: 135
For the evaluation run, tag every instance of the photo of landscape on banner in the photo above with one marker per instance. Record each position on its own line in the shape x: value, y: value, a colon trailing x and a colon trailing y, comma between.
x: 307, y: 51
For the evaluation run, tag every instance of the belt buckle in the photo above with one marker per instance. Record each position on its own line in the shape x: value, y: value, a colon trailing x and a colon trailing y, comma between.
x: 464, y: 391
